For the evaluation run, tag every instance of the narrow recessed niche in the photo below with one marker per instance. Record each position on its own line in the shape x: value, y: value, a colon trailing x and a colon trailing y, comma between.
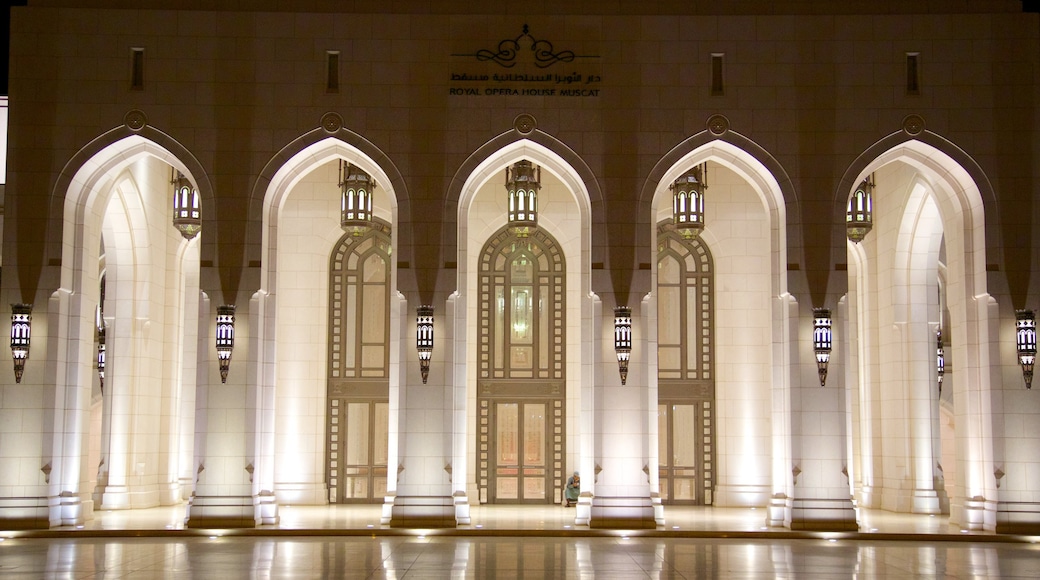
x: 332, y: 71
x: 137, y: 69
x: 716, y: 74
x: 913, y: 73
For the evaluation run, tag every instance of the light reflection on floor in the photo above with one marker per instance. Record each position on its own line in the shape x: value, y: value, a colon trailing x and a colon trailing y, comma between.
x: 519, y: 518
x: 275, y: 558
x: 511, y: 542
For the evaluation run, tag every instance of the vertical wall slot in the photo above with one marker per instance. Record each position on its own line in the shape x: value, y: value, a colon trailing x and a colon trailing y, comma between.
x: 137, y: 69
x: 332, y: 71
x: 716, y: 74
x: 913, y: 73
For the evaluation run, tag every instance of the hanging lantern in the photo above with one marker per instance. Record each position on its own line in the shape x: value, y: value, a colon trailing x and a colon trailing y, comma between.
x: 688, y: 201
x: 859, y: 216
x: 523, y: 181
x: 186, y: 216
x: 225, y: 338
x: 623, y: 339
x: 99, y: 324
x: 356, y: 189
x: 940, y: 358
x: 21, y: 323
x: 1025, y: 343
x: 424, y: 338
x: 822, y: 341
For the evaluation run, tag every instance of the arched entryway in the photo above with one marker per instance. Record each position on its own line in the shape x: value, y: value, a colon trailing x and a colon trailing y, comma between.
x: 131, y: 444
x: 917, y: 275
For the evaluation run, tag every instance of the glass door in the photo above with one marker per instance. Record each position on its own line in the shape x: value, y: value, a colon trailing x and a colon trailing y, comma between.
x: 686, y: 447
x: 520, y: 450
x: 359, y: 468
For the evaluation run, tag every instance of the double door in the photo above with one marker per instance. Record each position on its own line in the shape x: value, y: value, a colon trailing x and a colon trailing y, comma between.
x: 357, y: 448
x: 520, y: 443
x: 687, y: 448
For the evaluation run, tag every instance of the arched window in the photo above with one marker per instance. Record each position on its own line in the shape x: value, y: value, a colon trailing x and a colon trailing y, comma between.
x: 358, y: 367
x: 521, y: 369
x: 686, y: 374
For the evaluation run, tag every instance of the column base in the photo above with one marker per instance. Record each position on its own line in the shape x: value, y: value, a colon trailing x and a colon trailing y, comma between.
x: 423, y: 512
x: 925, y: 501
x: 73, y: 510
x: 974, y: 514
x: 25, y: 513
x: 462, y: 517
x: 778, y: 512
x: 235, y: 511
x: 627, y: 513
x: 266, y: 509
x: 823, y: 514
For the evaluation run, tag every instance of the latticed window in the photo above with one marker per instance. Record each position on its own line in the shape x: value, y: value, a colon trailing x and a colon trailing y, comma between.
x: 684, y: 286
x: 686, y: 374
x: 359, y: 296
x: 522, y: 307
x: 357, y: 408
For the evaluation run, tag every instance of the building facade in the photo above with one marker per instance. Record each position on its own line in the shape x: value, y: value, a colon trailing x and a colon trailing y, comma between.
x: 770, y: 254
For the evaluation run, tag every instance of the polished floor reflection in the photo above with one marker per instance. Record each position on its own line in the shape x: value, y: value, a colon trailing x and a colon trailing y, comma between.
x: 231, y: 557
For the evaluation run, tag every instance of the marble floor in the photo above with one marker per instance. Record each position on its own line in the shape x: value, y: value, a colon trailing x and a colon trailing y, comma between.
x: 511, y: 542
x: 494, y: 556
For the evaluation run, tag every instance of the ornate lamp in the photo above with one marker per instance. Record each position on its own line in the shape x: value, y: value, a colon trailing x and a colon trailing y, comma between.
x: 225, y: 338
x: 102, y: 353
x: 822, y: 341
x: 356, y: 189
x: 859, y: 217
x: 623, y: 339
x: 186, y: 216
x: 21, y: 323
x: 424, y: 338
x: 940, y: 358
x: 523, y: 181
x: 688, y: 201
x: 1025, y: 341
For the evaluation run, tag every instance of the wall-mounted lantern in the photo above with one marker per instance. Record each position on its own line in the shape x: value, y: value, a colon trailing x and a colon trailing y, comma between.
x: 186, y: 215
x: 225, y: 338
x: 688, y: 201
x: 1025, y: 343
x: 940, y: 358
x: 822, y: 339
x: 859, y: 216
x: 523, y: 181
x: 424, y: 339
x: 356, y: 189
x: 623, y: 339
x: 21, y: 323
x: 102, y: 354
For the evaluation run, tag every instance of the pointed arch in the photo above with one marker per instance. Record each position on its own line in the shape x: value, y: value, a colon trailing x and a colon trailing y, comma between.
x: 312, y: 149
x: 748, y: 159
x: 936, y: 197
x: 554, y: 156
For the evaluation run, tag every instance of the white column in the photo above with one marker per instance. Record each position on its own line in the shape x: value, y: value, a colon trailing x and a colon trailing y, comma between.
x: 455, y: 361
x: 785, y: 316
x: 222, y: 495
x: 622, y: 492
x: 425, y: 446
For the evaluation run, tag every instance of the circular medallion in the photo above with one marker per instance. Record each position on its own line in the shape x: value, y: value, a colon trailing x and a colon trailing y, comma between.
x: 135, y: 120
x: 524, y: 124
x: 718, y: 124
x: 913, y: 124
x: 331, y: 122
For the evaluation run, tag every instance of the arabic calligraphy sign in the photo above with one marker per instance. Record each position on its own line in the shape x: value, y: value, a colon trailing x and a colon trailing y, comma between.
x: 542, y: 55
